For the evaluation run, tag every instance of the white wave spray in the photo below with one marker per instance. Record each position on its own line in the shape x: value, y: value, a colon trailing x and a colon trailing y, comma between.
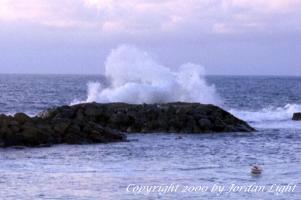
x: 271, y: 117
x: 135, y: 77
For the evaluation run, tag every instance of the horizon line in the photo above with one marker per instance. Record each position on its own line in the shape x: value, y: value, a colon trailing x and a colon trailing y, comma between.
x: 99, y: 74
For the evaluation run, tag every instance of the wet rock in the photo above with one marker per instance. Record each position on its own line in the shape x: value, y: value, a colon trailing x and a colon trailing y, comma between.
x: 65, y: 112
x: 61, y: 127
x: 169, y: 117
x: 15, y: 129
x: 297, y: 116
x: 43, y: 131
x: 73, y: 138
x: 49, y: 113
x: 13, y: 123
x: 91, y: 109
x: 101, y: 123
x: 74, y: 129
x: 96, y: 136
x: 4, y: 120
x: 21, y: 118
x: 30, y: 136
x: 9, y: 138
x: 2, y: 144
x: 80, y: 115
x: 205, y: 124
x: 179, y: 117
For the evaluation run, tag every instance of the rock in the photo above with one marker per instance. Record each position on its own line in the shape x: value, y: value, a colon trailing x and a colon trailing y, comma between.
x: 96, y: 136
x: 205, y: 124
x: 173, y: 130
x: 49, y: 113
x: 61, y: 127
x: 30, y: 136
x: 73, y: 138
x: 91, y: 109
x: 4, y: 120
x: 74, y: 129
x: 297, y: 116
x: 130, y: 130
x: 65, y: 112
x: 101, y: 123
x: 21, y: 118
x: 2, y: 143
x: 15, y: 129
x: 80, y: 115
x: 169, y: 117
x: 4, y: 130
x: 43, y: 131
x: 9, y: 138
x: 13, y: 123
x: 120, y: 119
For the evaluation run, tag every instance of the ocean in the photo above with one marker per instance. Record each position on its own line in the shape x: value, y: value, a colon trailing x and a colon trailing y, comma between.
x: 196, y: 164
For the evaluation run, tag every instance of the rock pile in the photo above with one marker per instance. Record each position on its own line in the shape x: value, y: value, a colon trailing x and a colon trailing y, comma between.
x: 22, y: 130
x: 101, y: 123
x: 170, y: 117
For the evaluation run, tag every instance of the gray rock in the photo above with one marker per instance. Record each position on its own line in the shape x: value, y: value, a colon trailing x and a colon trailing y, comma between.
x: 297, y: 116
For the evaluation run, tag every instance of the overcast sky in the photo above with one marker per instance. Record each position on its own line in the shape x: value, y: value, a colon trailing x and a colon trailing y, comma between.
x: 247, y: 37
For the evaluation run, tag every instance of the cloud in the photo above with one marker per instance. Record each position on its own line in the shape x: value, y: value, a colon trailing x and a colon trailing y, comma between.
x: 52, y: 13
x: 266, y: 6
x: 140, y: 17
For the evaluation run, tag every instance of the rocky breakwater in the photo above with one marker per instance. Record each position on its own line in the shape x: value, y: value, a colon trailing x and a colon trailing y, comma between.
x: 22, y: 130
x: 102, y: 123
x: 148, y: 118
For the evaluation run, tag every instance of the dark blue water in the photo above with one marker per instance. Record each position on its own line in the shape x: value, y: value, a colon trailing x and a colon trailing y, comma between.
x: 33, y: 93
x: 105, y: 171
x: 257, y: 92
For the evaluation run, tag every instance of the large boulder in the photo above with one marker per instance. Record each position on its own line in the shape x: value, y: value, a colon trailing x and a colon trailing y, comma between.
x: 297, y: 116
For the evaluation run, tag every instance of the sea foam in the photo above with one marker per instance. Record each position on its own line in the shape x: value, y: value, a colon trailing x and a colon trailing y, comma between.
x: 271, y: 117
x: 136, y: 77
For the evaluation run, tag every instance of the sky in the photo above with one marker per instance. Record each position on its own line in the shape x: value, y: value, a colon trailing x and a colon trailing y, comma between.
x: 227, y: 37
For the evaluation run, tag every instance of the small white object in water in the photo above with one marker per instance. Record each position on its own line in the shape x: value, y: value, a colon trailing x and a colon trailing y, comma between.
x: 256, y: 170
